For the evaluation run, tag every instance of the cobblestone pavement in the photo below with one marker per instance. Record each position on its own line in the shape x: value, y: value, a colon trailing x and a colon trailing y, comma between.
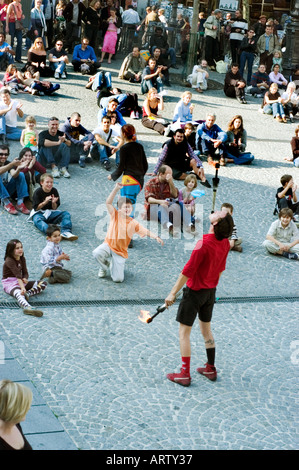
x: 97, y: 370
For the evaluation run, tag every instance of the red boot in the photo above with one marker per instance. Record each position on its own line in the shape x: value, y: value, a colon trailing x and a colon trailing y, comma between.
x: 181, y: 378
x: 209, y: 372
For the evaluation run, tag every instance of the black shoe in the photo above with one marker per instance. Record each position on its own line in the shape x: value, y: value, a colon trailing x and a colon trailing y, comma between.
x: 174, y: 66
x: 205, y: 183
x: 107, y: 165
x: 131, y: 244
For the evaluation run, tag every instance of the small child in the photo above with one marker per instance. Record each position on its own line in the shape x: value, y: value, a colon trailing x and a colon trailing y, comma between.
x: 114, y: 251
x: 186, y: 197
x: 52, y: 256
x: 15, y: 278
x: 190, y: 136
x: 277, y: 59
x: 234, y: 240
x: 286, y: 196
x: 29, y: 136
x: 283, y: 236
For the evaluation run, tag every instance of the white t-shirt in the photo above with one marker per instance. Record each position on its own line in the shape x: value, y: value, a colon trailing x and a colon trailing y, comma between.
x: 11, y: 118
x: 107, y: 137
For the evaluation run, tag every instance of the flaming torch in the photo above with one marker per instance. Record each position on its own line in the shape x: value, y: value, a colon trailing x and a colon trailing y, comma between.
x: 145, y: 316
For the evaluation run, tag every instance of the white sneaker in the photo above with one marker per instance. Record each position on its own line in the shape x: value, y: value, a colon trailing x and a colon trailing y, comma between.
x: 64, y: 173
x: 55, y: 172
x: 63, y: 75
x: 56, y: 75
x: 102, y: 272
x: 69, y: 236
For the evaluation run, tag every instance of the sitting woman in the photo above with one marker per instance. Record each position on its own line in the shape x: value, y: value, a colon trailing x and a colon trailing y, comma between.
x: 290, y: 101
x: 236, y: 144
x: 277, y: 77
x: 272, y: 103
x: 31, y: 168
x: 150, y: 117
x: 37, y: 60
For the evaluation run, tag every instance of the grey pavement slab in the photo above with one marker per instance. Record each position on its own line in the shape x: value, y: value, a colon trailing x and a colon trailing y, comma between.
x: 98, y: 374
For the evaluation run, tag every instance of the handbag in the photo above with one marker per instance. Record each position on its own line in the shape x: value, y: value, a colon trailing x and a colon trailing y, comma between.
x: 18, y: 23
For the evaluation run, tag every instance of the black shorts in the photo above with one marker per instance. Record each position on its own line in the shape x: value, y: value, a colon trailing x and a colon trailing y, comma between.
x: 194, y: 302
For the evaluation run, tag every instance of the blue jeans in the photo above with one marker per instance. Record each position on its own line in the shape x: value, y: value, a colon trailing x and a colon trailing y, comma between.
x: 102, y: 79
x: 77, y: 151
x: 275, y: 109
x: 60, y: 156
x: 58, y: 67
x: 61, y: 218
x: 242, y: 159
x: 12, y: 133
x: 45, y: 90
x: 17, y: 185
x: 208, y: 148
x: 146, y: 85
x: 249, y: 57
x: 97, y: 150
x: 14, y: 33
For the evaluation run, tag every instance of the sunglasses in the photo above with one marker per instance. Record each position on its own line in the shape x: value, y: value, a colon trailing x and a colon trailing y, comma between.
x: 6, y: 154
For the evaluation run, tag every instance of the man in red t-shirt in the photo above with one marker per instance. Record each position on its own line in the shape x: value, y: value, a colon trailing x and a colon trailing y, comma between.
x: 201, y: 275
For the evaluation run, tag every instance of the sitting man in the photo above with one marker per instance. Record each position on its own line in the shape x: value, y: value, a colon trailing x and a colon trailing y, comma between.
x: 234, y: 84
x: 132, y: 66
x: 54, y: 148
x: 102, y: 147
x: 210, y: 139
x: 178, y: 154
x: 58, y: 59
x: 159, y: 39
x: 10, y: 110
x: 160, y: 193
x: 260, y: 82
x: 6, y: 53
x: 84, y: 58
x: 162, y: 62
x: 79, y: 148
x: 45, y: 211
x: 12, y: 181
x: 151, y: 77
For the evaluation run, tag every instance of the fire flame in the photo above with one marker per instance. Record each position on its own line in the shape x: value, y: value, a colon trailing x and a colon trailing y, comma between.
x: 144, y: 316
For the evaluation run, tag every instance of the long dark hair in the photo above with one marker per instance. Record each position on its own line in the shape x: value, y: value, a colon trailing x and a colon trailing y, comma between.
x: 10, y: 248
x: 231, y: 124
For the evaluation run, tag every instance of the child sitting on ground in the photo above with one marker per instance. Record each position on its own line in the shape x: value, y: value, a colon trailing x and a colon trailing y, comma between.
x: 234, y: 240
x: 283, y: 236
x: 52, y: 256
x: 15, y: 278
x: 286, y: 196
x: 114, y: 251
